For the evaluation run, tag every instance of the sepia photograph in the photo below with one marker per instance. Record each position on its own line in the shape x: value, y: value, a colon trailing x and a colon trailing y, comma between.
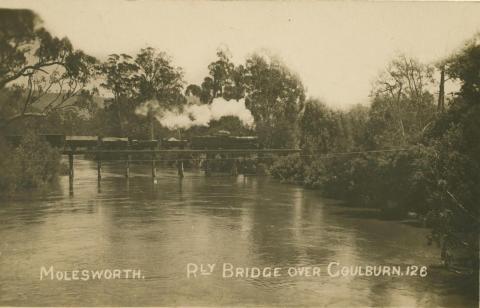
x: 160, y: 153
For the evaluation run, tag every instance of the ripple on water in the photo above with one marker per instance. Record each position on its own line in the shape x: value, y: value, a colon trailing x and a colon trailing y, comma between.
x: 246, y: 221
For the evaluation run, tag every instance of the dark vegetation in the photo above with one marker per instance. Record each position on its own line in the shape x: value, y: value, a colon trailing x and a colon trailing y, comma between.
x: 415, y: 149
x: 406, y: 154
x: 32, y: 164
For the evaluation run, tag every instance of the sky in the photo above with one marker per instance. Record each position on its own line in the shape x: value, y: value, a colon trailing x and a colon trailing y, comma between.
x: 336, y: 48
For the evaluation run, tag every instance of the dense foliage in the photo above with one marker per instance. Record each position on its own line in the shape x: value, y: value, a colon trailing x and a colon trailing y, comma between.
x: 41, y: 76
x: 32, y: 164
x: 34, y: 64
x: 403, y: 155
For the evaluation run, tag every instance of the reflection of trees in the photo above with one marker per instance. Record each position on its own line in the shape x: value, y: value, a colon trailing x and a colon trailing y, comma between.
x: 285, y: 228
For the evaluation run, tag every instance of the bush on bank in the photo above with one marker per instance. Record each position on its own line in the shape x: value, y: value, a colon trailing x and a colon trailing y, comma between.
x: 32, y: 164
x: 402, y: 180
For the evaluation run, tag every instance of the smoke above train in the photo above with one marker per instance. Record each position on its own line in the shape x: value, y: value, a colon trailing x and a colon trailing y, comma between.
x: 195, y: 114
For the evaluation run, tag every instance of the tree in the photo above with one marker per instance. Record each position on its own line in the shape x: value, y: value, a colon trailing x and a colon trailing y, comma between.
x: 358, y: 117
x: 402, y: 103
x: 458, y: 130
x: 150, y: 76
x: 220, y: 73
x: 464, y: 67
x: 159, y: 79
x: 33, y: 63
x: 224, y: 80
x: 453, y: 139
x: 318, y: 127
x: 275, y: 96
x: 120, y: 73
x: 441, y: 90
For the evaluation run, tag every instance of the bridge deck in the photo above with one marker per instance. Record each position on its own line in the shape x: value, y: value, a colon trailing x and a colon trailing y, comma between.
x: 178, y: 151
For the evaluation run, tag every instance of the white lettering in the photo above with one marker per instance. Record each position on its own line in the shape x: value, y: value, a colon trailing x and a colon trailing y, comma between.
x: 329, y: 269
x: 44, y: 272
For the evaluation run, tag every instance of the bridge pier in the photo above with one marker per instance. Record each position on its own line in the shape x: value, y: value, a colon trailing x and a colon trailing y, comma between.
x: 99, y: 167
x: 70, y: 172
x: 154, y: 167
x: 258, y: 163
x: 99, y: 159
x: 127, y: 169
x: 207, y: 164
x: 180, y: 157
x: 180, y: 168
x: 128, y: 161
x: 234, y: 171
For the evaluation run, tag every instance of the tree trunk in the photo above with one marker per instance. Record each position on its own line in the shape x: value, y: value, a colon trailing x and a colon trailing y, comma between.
x: 152, y: 127
x: 441, y: 92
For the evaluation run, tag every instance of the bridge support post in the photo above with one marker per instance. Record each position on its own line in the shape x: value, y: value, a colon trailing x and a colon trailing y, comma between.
x: 129, y: 159
x: 154, y: 168
x: 180, y: 168
x: 99, y: 159
x: 258, y: 163
x: 70, y: 169
x: 180, y: 164
x: 234, y: 171
x: 99, y: 167
x: 207, y: 164
x: 127, y: 171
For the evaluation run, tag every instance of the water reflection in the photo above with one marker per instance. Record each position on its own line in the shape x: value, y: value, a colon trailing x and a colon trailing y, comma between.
x: 246, y: 221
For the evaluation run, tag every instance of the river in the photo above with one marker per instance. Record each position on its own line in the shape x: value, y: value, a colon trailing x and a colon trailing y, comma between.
x: 160, y: 228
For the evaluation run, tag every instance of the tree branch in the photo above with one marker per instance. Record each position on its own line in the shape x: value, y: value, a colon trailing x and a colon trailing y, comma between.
x: 20, y: 116
x: 24, y: 71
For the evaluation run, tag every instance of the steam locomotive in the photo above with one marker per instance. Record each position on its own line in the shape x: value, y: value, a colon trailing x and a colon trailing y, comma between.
x: 220, y: 140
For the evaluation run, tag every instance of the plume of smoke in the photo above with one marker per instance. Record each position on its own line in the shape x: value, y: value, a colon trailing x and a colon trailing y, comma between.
x: 147, y: 107
x: 198, y: 115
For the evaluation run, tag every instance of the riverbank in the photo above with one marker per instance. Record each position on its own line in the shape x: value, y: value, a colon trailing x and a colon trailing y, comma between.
x: 395, y: 187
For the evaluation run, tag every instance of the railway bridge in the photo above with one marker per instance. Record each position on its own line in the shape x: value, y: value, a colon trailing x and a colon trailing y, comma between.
x: 204, y: 148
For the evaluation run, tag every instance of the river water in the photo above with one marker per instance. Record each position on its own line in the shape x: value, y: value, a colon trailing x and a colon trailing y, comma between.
x: 159, y: 228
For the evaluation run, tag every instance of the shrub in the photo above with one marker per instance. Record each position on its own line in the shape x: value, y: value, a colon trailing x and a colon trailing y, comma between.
x: 30, y: 165
x: 289, y: 169
x: 315, y: 175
